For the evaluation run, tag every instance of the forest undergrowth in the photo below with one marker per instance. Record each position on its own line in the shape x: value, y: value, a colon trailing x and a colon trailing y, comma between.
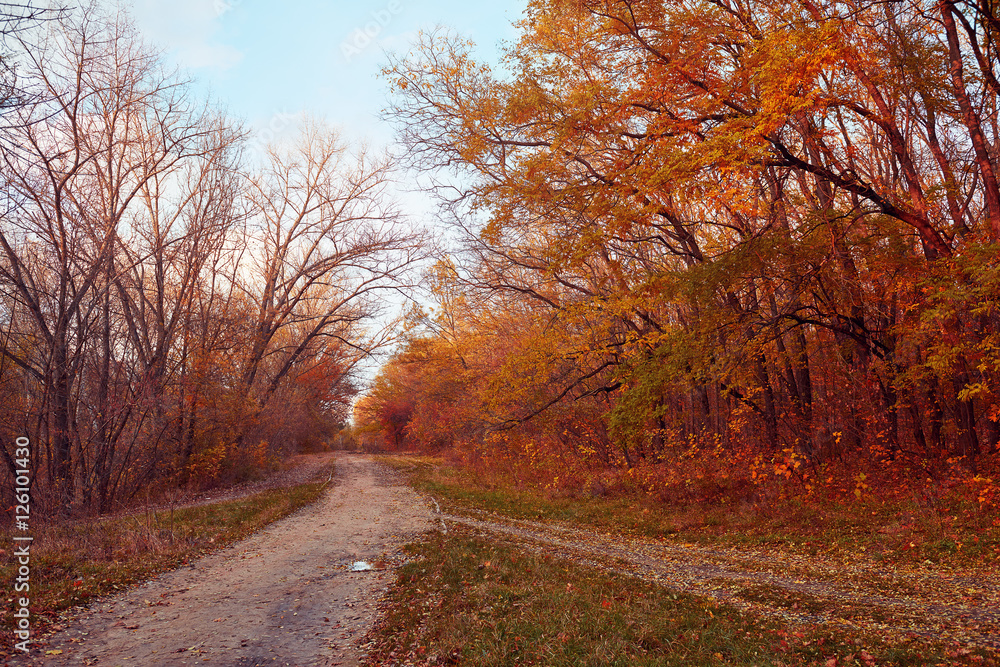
x: 891, y: 512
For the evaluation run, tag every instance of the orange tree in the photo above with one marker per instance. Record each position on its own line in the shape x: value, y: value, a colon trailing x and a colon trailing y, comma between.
x: 746, y: 225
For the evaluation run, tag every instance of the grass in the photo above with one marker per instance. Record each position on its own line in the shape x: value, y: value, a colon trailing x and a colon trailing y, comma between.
x: 73, y: 564
x: 471, y: 601
x: 465, y: 600
x: 891, y: 528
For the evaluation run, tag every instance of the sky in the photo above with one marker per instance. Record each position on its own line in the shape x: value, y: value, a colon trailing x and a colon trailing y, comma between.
x: 270, y: 62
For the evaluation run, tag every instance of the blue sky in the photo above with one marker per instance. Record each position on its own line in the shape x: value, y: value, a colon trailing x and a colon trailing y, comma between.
x: 268, y: 62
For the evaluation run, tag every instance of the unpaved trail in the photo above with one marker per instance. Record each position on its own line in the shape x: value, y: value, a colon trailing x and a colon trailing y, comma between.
x: 285, y: 596
x: 897, y: 603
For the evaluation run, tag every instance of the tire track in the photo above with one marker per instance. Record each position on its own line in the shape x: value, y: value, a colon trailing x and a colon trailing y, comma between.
x: 896, y: 603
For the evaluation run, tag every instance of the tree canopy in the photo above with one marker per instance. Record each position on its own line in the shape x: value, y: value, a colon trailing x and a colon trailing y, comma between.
x: 767, y: 230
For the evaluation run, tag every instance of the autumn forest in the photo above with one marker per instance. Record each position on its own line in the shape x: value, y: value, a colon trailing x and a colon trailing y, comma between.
x: 172, y: 312
x: 709, y: 248
x: 693, y: 248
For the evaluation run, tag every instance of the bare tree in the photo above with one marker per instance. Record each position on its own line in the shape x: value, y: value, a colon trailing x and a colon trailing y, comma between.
x: 155, y: 295
x: 107, y: 121
x: 325, y: 246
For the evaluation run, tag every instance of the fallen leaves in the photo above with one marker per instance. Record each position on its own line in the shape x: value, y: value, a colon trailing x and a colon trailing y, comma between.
x: 898, y: 603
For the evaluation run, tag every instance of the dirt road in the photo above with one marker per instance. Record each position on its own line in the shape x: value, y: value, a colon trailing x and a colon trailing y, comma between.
x: 285, y: 596
x: 901, y: 603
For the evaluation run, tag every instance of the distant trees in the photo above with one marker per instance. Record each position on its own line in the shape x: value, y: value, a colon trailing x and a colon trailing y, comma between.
x: 759, y: 227
x: 157, y: 294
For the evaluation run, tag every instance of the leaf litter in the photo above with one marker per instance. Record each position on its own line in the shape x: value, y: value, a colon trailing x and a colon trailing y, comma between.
x: 900, y: 603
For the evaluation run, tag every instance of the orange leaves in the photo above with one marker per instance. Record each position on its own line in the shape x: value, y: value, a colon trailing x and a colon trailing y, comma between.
x: 705, y: 250
x: 786, y: 65
x: 789, y: 463
x: 207, y: 464
x: 987, y: 492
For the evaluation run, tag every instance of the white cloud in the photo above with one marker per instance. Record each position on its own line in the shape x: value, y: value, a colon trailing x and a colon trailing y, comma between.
x: 188, y: 30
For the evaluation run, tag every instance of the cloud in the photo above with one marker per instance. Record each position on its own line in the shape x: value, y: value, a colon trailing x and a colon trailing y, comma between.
x: 188, y: 29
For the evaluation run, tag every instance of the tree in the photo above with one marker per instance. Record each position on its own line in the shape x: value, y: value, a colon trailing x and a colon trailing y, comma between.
x: 158, y: 295
x: 325, y: 245
x: 107, y: 122
x: 733, y: 212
